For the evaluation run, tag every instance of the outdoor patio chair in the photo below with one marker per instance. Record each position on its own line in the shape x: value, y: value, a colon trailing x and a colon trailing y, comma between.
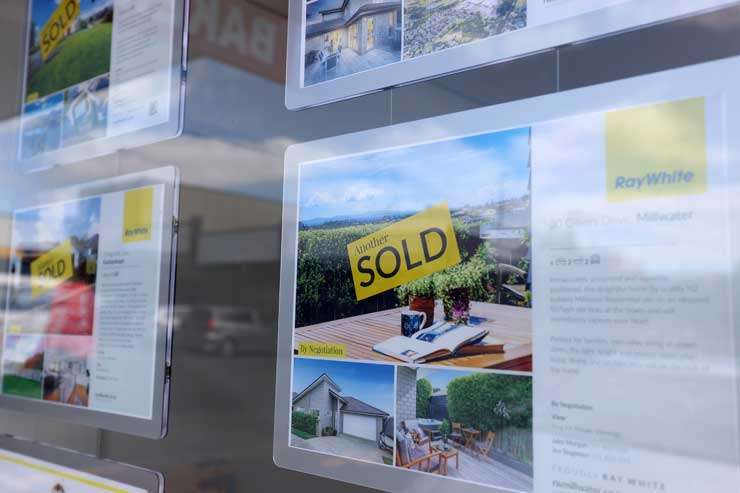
x: 411, y: 425
x: 487, y: 444
x: 410, y: 455
x: 456, y: 435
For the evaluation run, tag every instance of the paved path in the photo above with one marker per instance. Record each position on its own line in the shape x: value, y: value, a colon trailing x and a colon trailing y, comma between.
x: 342, y: 445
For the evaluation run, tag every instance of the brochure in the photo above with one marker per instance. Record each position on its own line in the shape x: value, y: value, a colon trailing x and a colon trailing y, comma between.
x: 82, y: 304
x: 441, y: 340
x: 23, y: 474
x: 356, y: 47
x: 95, y: 69
x: 599, y: 244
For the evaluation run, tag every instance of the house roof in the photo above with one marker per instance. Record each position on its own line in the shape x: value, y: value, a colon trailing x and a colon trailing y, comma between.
x: 337, y: 395
x: 324, y: 27
x: 367, y: 9
x: 350, y: 404
x: 356, y: 406
x: 322, y: 378
x: 325, y: 6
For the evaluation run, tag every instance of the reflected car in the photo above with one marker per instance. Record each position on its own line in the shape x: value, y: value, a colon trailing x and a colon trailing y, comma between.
x: 221, y: 330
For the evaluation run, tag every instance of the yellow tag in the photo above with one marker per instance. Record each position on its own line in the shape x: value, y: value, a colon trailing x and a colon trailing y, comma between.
x: 137, y: 215
x: 322, y: 349
x: 51, y: 269
x: 32, y: 97
x: 407, y: 250
x: 56, y: 28
x: 656, y: 151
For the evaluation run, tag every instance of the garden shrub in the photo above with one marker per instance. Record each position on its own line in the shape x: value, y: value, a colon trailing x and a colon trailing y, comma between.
x: 423, y: 394
x: 305, y: 422
x: 491, y: 402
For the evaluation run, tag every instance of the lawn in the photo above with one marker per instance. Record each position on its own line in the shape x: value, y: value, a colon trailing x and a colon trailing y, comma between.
x: 22, y: 387
x: 80, y: 57
x: 302, y: 434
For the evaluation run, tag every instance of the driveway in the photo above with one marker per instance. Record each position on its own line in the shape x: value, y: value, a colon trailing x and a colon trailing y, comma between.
x: 342, y: 445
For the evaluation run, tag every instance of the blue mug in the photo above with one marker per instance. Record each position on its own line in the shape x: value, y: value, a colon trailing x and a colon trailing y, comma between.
x: 412, y: 322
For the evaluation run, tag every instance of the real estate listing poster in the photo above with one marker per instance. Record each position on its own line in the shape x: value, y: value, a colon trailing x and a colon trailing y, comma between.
x: 94, y: 69
x: 395, y: 42
x: 542, y: 308
x: 23, y: 474
x: 82, y: 304
x: 418, y: 256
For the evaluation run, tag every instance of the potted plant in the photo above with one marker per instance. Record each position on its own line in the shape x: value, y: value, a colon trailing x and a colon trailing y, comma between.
x: 445, y: 429
x: 457, y: 285
x: 419, y: 295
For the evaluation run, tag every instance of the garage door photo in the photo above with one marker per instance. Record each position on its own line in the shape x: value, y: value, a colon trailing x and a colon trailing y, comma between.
x: 341, y: 408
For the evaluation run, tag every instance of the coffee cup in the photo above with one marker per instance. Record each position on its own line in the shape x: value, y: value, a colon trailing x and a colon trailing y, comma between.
x: 412, y: 322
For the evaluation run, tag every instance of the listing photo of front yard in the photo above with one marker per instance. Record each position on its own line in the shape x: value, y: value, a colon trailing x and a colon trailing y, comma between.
x: 465, y: 425
x: 343, y: 409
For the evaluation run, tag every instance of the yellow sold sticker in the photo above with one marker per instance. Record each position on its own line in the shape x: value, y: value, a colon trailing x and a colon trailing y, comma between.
x: 322, y: 350
x: 137, y: 215
x: 402, y: 252
x: 57, y: 26
x: 51, y: 269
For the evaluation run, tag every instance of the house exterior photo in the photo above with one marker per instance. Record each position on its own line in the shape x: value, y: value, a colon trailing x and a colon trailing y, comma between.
x: 347, y: 415
x: 348, y: 36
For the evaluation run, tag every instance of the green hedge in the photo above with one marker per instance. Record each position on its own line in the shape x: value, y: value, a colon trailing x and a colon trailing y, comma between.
x: 324, y: 288
x: 423, y: 394
x: 491, y: 402
x: 305, y: 422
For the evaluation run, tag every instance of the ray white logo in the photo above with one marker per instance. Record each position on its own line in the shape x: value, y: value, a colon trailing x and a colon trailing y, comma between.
x: 656, y: 150
x: 658, y: 179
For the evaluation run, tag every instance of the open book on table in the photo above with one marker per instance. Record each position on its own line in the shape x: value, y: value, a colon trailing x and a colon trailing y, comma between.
x: 440, y: 340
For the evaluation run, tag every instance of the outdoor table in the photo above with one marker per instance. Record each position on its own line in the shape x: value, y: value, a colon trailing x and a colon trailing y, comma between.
x: 471, y: 435
x: 446, y: 455
x: 511, y: 324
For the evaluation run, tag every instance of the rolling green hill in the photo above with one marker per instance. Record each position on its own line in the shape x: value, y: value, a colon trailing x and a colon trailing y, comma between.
x: 80, y: 57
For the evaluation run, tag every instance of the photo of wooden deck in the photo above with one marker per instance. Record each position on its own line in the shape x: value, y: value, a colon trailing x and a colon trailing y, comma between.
x: 359, y: 334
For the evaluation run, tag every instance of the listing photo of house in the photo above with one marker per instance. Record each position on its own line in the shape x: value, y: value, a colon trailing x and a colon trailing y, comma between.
x: 435, y: 25
x: 23, y: 363
x: 344, y: 37
x: 468, y: 426
x: 474, y: 314
x: 67, y: 370
x: 343, y: 409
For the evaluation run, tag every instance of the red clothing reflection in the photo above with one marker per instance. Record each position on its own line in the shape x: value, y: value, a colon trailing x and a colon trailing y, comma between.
x: 72, y: 310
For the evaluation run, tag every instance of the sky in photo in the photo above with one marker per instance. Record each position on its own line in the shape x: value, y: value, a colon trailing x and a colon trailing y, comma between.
x: 440, y: 378
x: 54, y: 224
x: 372, y: 384
x: 42, y: 9
x: 467, y: 171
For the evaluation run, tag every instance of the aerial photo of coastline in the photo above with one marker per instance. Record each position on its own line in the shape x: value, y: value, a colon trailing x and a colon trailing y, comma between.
x: 435, y: 25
